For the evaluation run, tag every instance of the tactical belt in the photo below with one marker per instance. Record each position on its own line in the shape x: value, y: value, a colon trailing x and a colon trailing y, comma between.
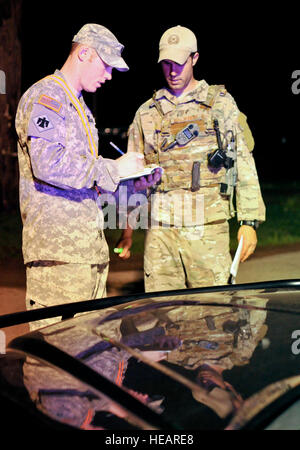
x: 165, y: 225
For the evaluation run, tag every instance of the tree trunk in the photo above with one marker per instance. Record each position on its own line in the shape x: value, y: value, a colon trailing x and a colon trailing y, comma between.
x: 10, y: 64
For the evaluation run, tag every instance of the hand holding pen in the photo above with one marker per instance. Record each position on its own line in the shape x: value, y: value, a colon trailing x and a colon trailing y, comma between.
x: 141, y: 183
x: 129, y: 163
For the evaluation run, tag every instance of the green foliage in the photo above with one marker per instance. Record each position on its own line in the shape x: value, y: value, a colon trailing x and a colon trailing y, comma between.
x: 282, y: 224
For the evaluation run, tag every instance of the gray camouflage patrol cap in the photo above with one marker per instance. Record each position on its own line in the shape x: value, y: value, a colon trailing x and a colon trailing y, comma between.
x: 104, y: 42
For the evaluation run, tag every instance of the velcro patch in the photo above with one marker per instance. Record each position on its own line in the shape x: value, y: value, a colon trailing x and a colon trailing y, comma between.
x: 50, y: 102
x: 43, y: 123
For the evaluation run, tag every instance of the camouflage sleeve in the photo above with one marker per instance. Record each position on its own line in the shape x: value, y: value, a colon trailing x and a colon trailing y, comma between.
x: 249, y: 201
x: 59, y: 161
x: 53, y: 164
x: 107, y: 174
x: 136, y: 135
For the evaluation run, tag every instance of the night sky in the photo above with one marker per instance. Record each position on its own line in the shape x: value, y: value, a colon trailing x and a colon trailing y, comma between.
x: 254, y: 53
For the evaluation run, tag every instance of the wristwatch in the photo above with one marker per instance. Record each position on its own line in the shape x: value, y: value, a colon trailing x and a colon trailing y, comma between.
x: 251, y: 223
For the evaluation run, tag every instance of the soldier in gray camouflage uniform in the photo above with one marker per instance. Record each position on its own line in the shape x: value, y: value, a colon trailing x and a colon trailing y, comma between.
x: 61, y: 175
x: 193, y: 252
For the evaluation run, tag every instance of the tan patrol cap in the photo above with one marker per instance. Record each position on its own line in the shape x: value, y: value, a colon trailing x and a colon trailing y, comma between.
x: 104, y: 42
x: 176, y: 44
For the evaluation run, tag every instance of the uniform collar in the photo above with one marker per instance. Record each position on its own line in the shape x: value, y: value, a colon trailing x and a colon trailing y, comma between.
x: 60, y: 74
x: 199, y: 93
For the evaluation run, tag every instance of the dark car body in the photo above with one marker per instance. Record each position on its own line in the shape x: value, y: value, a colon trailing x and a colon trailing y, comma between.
x: 216, y: 358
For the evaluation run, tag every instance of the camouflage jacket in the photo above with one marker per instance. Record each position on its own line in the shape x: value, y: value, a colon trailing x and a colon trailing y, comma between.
x: 226, y: 338
x: 157, y: 123
x: 59, y: 165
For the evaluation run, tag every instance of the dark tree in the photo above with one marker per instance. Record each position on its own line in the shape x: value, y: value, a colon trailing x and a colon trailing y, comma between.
x: 10, y: 65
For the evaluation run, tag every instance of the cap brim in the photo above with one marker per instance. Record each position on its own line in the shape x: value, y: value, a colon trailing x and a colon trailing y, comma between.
x: 176, y: 55
x: 113, y: 60
x: 120, y: 65
x: 116, y: 62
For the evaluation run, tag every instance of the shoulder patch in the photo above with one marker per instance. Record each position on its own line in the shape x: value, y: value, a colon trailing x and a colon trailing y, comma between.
x: 213, y: 91
x: 47, y: 124
x: 50, y: 102
x: 43, y: 123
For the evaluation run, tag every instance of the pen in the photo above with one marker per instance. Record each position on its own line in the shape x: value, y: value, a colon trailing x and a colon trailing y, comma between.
x: 117, y: 148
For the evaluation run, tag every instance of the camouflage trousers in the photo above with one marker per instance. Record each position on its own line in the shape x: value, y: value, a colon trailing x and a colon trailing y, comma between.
x: 50, y: 283
x: 179, y: 258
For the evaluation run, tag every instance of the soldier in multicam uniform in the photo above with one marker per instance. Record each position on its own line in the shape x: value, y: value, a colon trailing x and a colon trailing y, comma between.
x: 61, y: 175
x: 214, y: 340
x: 205, y: 339
x: 196, y: 252
x: 68, y: 400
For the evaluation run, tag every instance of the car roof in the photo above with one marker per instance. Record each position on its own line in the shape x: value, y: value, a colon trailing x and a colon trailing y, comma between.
x: 233, y: 327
